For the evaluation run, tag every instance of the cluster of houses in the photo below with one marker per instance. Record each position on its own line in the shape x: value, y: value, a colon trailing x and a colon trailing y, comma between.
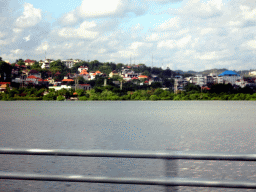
x: 33, y: 77
x: 204, y: 81
x: 126, y: 74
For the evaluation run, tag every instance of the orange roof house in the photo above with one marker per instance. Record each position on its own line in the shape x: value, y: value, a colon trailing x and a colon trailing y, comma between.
x: 32, y: 77
x: 67, y: 80
x: 84, y: 72
x: 143, y: 77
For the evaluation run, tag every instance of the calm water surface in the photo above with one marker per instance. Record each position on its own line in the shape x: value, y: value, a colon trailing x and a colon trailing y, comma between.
x: 210, y: 126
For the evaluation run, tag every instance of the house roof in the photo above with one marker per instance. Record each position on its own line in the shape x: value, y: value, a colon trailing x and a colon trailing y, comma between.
x: 97, y: 72
x: 84, y: 72
x: 229, y: 73
x: 135, y: 78
x: 68, y: 80
x: 4, y: 83
x: 114, y: 71
x: 32, y: 77
x: 29, y: 61
x: 84, y: 85
x: 143, y: 76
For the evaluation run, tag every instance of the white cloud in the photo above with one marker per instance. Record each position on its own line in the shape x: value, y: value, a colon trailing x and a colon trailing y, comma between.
x: 198, y: 8
x: 98, y: 8
x: 206, y: 31
x: 170, y: 24
x: 69, y: 19
x: 170, y: 44
x: 247, y: 12
x: 250, y: 44
x: 17, y: 51
x: 139, y: 45
x: 81, y: 32
x: 17, y: 30
x: 184, y: 41
x: 27, y: 38
x: 31, y: 16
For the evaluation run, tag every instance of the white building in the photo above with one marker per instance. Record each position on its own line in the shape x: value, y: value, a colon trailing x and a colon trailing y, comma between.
x: 57, y: 88
x: 199, y: 80
x: 45, y: 64
x: 70, y: 62
x: 230, y: 77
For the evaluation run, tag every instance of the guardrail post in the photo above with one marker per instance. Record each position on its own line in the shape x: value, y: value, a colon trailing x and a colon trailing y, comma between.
x: 171, y: 168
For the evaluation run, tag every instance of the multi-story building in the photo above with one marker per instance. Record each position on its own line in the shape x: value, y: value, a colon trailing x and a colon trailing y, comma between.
x: 179, y: 83
x: 45, y: 64
x: 199, y: 80
x: 70, y: 62
x: 229, y: 77
x: 216, y: 79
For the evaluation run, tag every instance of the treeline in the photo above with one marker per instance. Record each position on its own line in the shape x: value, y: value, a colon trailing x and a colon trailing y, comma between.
x: 61, y: 68
x: 113, y: 93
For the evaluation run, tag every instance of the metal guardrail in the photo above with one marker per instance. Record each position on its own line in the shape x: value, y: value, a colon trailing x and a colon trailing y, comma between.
x: 168, y: 155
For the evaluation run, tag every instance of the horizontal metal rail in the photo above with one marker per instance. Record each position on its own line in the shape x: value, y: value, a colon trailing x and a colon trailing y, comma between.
x: 131, y: 154
x: 124, y: 180
x: 167, y: 181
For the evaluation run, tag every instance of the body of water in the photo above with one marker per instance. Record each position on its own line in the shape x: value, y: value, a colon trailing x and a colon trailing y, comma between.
x: 207, y: 126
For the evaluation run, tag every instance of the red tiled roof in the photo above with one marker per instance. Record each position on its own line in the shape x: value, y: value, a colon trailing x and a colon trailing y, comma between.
x: 68, y: 80
x: 32, y: 77
x: 143, y: 76
x: 97, y: 72
x: 29, y: 61
x: 4, y: 83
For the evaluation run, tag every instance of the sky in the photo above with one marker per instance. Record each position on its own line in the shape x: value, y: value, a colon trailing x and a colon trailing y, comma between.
x: 179, y: 34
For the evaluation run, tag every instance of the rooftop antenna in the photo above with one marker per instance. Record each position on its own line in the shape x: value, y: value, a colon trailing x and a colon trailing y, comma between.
x: 130, y: 60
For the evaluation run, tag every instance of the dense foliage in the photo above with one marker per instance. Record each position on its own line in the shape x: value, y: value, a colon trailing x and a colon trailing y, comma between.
x: 129, y: 92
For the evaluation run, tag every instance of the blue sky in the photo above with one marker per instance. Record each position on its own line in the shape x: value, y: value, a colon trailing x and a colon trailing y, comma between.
x: 181, y: 34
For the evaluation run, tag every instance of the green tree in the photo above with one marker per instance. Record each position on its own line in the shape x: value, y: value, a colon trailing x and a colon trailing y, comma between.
x: 191, y: 87
x: 5, y: 71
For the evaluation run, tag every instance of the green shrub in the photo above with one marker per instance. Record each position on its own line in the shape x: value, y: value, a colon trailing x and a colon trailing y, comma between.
x: 50, y: 96
x: 83, y: 98
x: 60, y: 98
x: 153, y: 98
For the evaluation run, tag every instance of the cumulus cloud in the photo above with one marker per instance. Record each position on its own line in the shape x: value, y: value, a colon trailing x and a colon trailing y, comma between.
x: 31, y: 16
x: 99, y: 8
x: 164, y: 1
x: 198, y: 8
x: 171, y: 44
x: 170, y: 24
x: 82, y: 32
